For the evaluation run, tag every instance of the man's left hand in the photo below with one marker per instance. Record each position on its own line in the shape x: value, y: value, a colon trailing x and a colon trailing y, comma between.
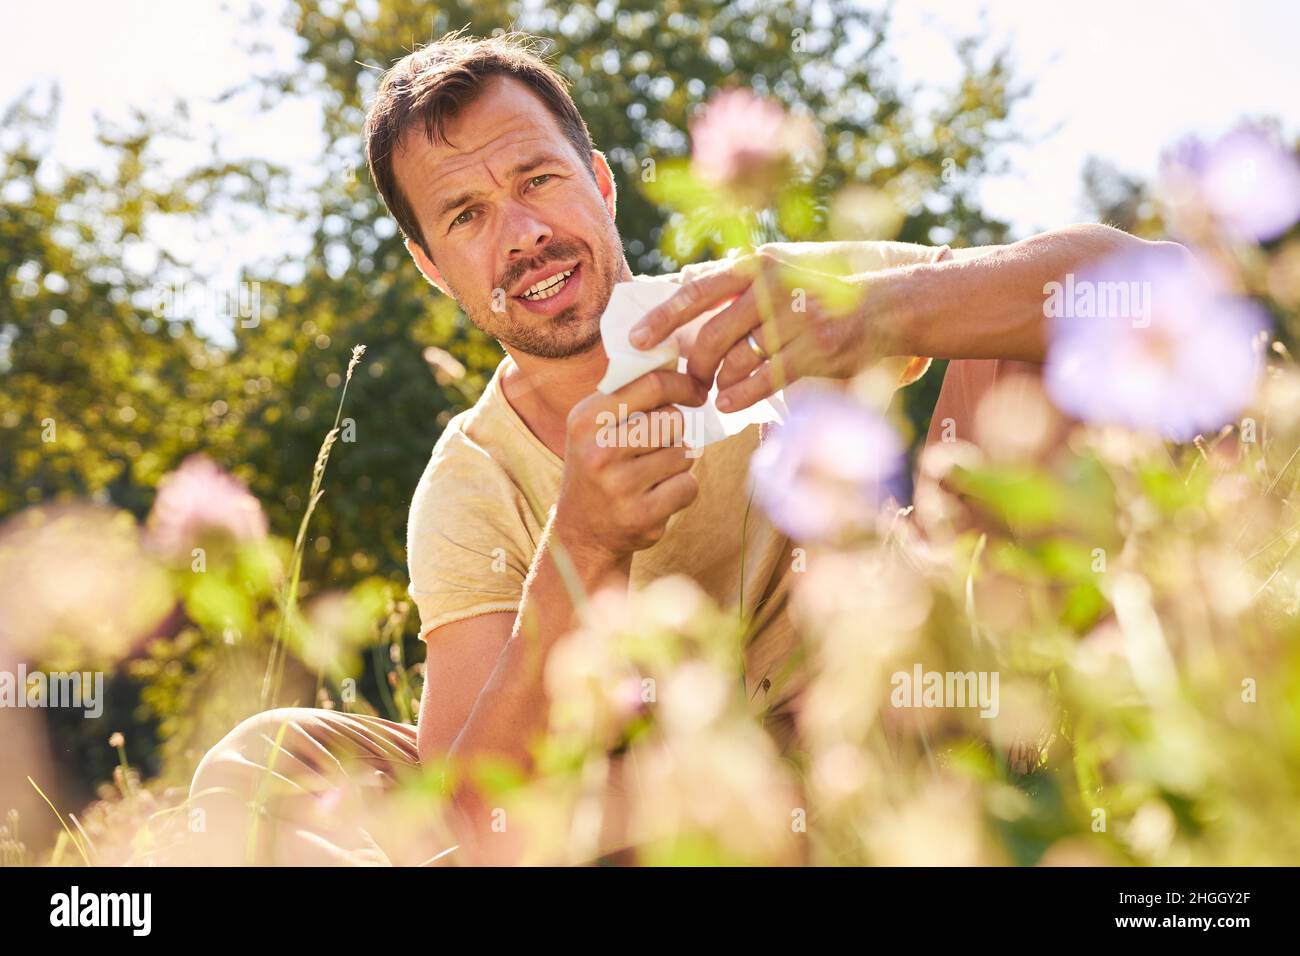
x: 784, y: 321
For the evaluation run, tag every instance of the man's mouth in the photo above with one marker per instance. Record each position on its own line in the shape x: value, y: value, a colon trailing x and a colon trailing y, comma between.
x: 551, y: 295
x: 548, y: 287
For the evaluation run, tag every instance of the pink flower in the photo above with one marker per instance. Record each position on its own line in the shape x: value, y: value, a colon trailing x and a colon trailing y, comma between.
x: 744, y: 141
x: 629, y: 697
x: 199, y: 501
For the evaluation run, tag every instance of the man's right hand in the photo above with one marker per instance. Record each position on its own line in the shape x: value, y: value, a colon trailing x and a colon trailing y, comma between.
x: 616, y: 497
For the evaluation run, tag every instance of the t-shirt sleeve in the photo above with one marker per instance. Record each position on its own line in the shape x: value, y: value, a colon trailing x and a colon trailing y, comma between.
x: 891, y: 255
x: 876, y: 256
x: 468, y: 545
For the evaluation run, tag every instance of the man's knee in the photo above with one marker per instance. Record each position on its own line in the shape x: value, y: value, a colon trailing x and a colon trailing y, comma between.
x: 249, y: 768
x: 287, y: 785
x: 251, y: 745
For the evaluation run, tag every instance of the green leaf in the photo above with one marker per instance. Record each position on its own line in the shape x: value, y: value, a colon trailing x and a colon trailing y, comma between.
x: 1026, y: 499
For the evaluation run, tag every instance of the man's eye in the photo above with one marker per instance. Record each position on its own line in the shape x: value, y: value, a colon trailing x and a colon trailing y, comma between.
x: 463, y: 218
x: 539, y: 180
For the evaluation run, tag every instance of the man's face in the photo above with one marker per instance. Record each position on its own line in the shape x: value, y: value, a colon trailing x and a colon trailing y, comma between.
x: 508, y: 207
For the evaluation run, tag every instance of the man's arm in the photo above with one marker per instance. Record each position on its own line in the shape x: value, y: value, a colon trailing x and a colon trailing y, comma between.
x: 484, y: 690
x: 486, y: 695
x: 987, y: 302
x: 980, y: 303
x: 460, y: 659
x: 975, y: 303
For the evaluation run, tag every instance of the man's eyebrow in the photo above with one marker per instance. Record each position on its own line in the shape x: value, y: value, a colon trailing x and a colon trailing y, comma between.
x: 525, y: 166
x: 528, y: 165
x: 456, y: 202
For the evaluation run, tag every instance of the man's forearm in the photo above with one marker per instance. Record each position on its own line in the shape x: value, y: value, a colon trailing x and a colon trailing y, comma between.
x: 511, y: 711
x: 984, y: 303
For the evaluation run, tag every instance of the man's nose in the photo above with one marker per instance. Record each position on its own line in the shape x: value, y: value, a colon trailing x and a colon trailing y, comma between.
x: 524, y: 234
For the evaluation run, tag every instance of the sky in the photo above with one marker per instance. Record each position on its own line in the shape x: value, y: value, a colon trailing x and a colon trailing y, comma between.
x: 1117, y: 79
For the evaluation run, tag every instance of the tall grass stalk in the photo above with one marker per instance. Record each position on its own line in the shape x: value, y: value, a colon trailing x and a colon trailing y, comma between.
x: 274, y: 675
x: 58, y: 816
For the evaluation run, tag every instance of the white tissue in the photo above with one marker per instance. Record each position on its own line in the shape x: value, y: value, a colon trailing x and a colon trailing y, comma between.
x: 628, y: 303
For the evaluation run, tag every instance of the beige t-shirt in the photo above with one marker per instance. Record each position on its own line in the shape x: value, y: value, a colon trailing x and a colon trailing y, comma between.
x: 483, y: 500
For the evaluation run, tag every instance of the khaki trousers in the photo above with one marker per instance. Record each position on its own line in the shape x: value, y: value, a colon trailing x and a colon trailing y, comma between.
x: 302, y: 786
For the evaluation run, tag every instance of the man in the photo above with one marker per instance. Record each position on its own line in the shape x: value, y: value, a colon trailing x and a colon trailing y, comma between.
x: 485, y: 163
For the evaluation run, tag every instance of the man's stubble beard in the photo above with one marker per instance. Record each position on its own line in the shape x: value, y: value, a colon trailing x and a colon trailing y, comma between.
x: 569, y: 332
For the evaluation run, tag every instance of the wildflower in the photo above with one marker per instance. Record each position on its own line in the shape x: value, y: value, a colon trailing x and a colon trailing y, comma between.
x: 200, y: 500
x: 1246, y: 182
x: 116, y: 740
x: 828, y: 469
x: 1176, y: 353
x: 51, y: 554
x: 748, y: 143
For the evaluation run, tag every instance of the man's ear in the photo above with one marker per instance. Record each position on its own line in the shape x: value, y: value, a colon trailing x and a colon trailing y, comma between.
x: 605, y: 181
x: 426, y: 266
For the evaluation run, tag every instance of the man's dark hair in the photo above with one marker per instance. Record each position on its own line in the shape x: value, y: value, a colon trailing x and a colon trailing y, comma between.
x: 436, y: 82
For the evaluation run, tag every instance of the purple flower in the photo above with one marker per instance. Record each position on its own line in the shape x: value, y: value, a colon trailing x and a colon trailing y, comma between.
x: 1247, y: 182
x: 198, y: 501
x: 827, y: 470
x: 1151, y: 341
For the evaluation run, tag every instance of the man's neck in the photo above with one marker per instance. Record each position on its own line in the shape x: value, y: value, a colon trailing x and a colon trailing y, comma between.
x: 551, y: 386
x: 543, y: 391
